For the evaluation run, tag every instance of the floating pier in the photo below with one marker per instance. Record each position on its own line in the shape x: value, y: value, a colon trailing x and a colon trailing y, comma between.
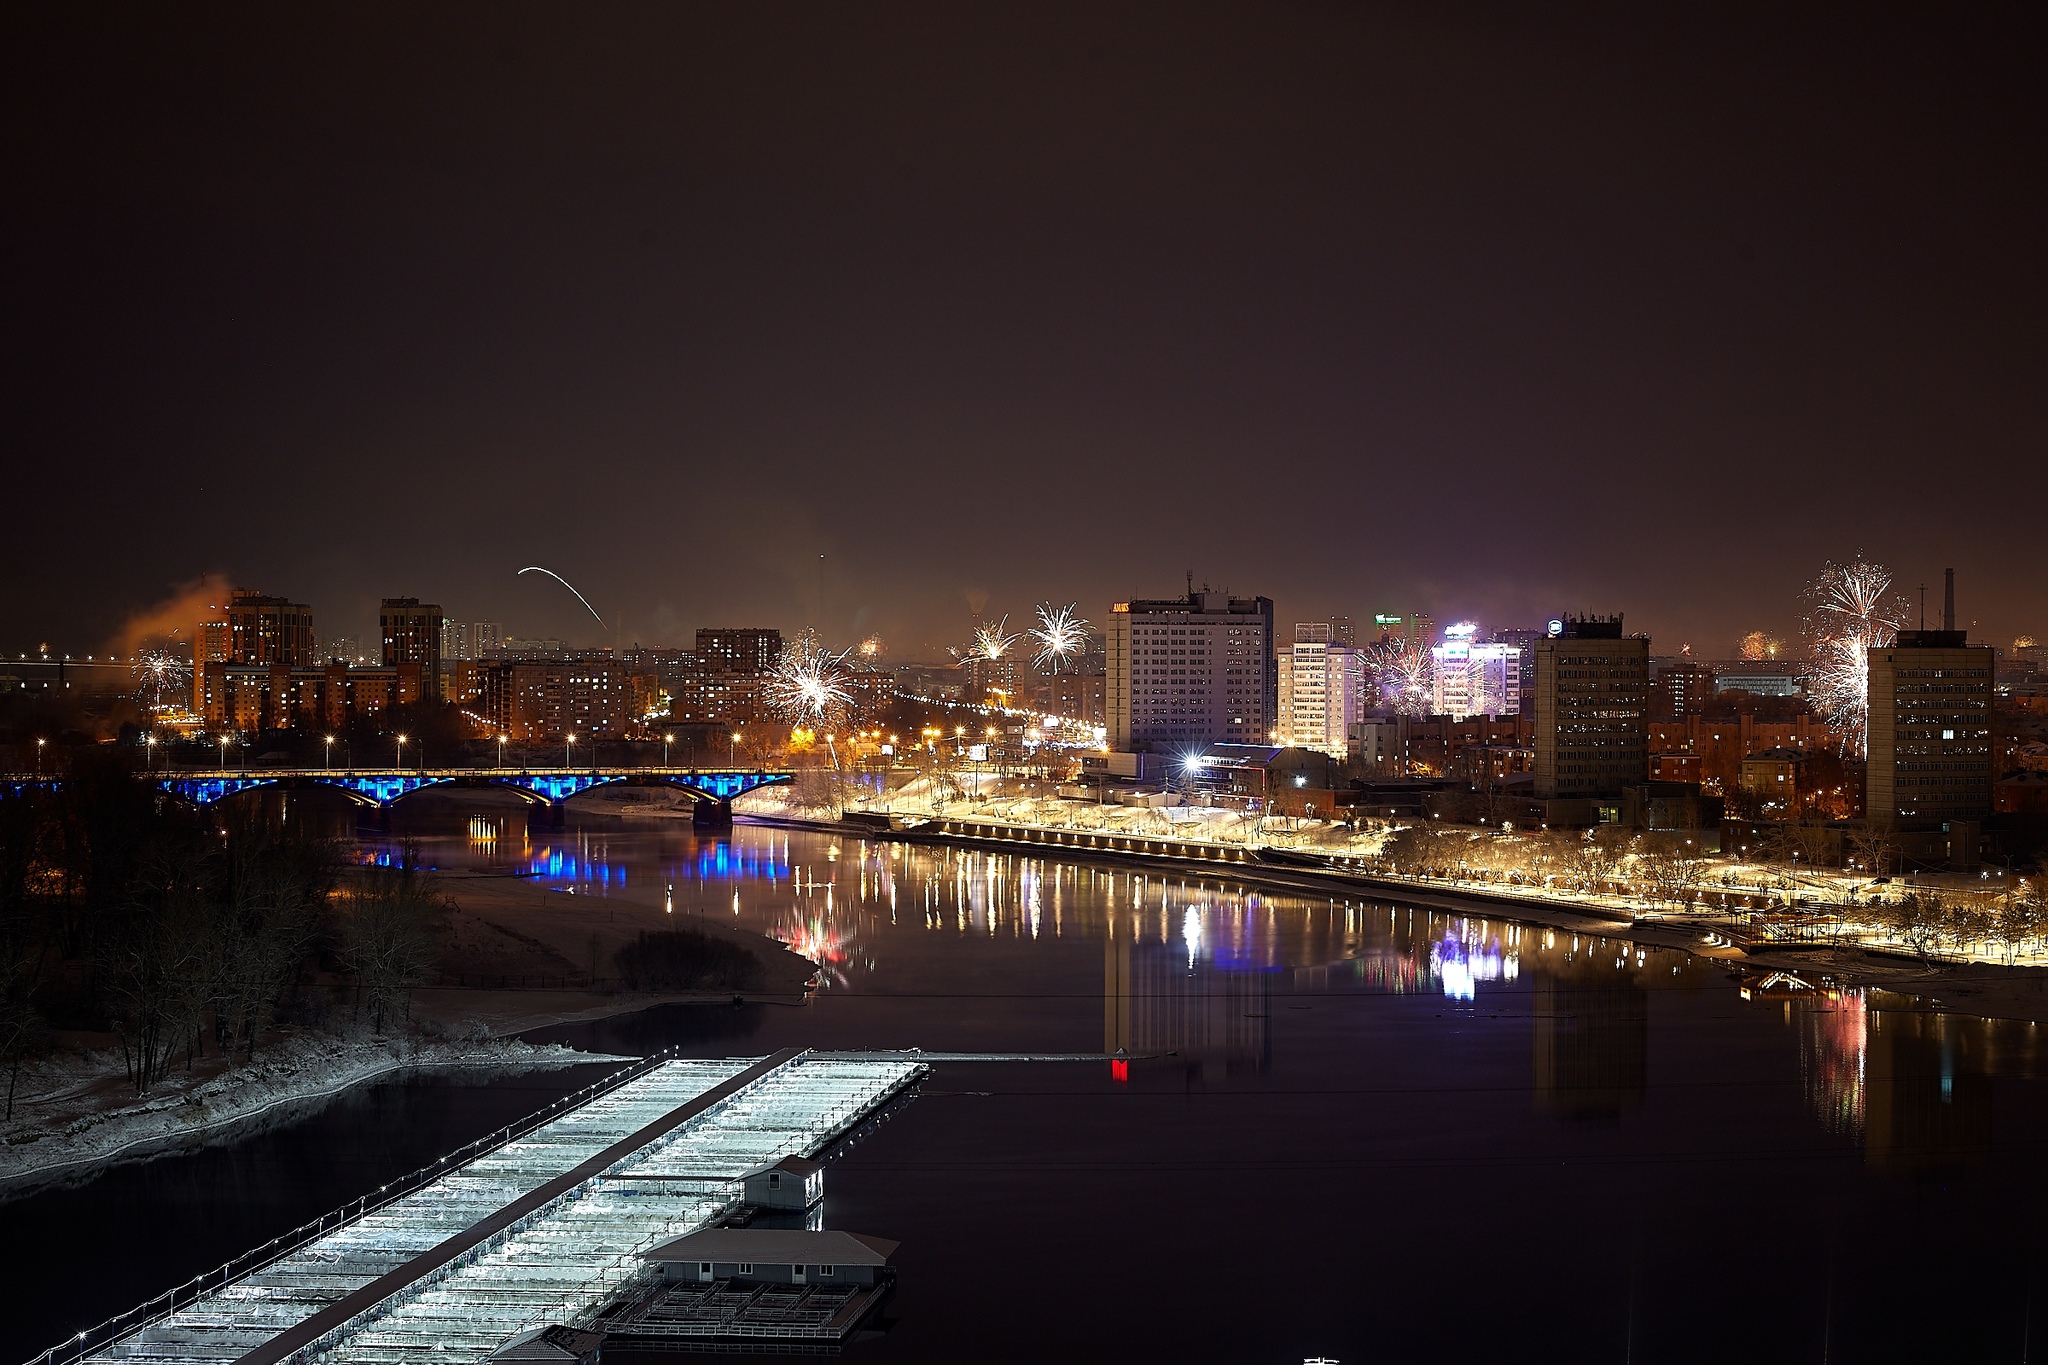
x: 543, y: 1228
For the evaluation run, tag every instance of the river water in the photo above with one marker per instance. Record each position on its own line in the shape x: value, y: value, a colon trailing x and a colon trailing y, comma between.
x: 1352, y: 1129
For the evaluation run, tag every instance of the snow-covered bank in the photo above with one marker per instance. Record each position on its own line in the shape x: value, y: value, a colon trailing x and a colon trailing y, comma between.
x: 71, y: 1117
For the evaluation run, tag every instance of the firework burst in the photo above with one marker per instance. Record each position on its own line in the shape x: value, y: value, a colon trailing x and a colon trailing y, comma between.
x: 872, y: 649
x: 159, y: 674
x: 993, y: 642
x: 809, y: 682
x: 1851, y: 610
x: 1761, y: 644
x: 1059, y: 635
x: 1403, y: 673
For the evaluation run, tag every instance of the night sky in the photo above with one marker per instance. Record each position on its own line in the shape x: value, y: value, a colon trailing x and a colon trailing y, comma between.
x: 1489, y: 312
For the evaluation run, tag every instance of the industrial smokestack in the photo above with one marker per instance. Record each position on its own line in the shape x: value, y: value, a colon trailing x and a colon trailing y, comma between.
x: 1948, y: 603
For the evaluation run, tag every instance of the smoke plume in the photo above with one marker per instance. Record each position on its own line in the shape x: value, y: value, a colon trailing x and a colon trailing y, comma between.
x: 172, y: 620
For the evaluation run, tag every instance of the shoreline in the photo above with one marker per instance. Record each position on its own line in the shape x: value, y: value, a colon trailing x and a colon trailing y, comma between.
x: 1984, y: 990
x: 86, y: 1122
x: 77, y: 1152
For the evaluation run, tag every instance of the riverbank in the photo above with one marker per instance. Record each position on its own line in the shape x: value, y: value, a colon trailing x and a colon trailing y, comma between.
x: 74, y: 1114
x: 1981, y: 989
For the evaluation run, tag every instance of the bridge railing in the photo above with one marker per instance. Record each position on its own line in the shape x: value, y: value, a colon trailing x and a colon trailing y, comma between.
x: 154, y: 1310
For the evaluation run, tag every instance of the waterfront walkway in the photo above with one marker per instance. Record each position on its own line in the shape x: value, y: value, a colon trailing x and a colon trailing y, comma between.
x: 539, y: 1228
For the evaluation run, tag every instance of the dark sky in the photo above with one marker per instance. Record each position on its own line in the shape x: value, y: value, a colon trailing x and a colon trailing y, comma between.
x: 1490, y: 312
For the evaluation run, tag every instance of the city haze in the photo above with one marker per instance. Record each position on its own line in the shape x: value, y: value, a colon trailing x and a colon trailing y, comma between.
x: 866, y: 319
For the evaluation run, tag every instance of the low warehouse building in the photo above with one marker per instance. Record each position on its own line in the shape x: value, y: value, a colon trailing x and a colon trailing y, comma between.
x: 774, y: 1256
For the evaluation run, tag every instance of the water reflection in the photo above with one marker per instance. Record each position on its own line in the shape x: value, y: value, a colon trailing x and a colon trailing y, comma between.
x: 1592, y: 1038
x: 1191, y: 967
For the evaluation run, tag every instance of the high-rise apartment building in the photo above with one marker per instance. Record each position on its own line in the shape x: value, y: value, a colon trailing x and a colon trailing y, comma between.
x: 1474, y: 678
x: 270, y: 630
x: 1681, y: 688
x: 1321, y: 687
x: 251, y: 629
x: 1592, y: 710
x: 1077, y: 696
x: 1188, y: 671
x: 411, y: 631
x: 750, y: 650
x: 1524, y: 639
x: 470, y: 639
x: 1338, y: 630
x: 1930, y: 729
x: 586, y: 697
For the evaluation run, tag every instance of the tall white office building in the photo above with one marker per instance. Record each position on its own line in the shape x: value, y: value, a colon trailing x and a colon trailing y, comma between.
x: 1474, y: 679
x: 1322, y: 688
x: 1189, y: 671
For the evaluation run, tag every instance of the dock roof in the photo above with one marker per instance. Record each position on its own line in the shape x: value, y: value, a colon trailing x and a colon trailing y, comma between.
x: 776, y: 1246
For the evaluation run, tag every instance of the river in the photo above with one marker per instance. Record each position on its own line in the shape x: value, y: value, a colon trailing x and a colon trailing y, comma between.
x: 1350, y: 1129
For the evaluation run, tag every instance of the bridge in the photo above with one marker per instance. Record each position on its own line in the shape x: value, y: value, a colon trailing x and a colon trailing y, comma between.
x: 542, y: 1222
x: 713, y: 789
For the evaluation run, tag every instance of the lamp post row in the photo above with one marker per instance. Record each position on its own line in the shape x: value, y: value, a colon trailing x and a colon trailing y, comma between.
x: 327, y: 751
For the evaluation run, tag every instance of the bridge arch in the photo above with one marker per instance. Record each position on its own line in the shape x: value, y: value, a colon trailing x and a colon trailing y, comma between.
x: 550, y: 788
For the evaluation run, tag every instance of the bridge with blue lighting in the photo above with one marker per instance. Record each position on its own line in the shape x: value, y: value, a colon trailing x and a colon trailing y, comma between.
x: 379, y: 788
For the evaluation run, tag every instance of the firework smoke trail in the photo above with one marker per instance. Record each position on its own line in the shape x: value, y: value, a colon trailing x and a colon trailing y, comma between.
x: 809, y: 681
x: 1403, y: 673
x: 1851, y: 611
x: 1060, y: 633
x: 158, y: 672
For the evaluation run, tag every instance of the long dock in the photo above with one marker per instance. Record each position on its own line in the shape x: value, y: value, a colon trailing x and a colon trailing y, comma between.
x: 539, y: 1229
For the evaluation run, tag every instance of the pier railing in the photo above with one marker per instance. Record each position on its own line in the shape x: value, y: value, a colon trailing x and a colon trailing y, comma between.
x: 284, y: 1244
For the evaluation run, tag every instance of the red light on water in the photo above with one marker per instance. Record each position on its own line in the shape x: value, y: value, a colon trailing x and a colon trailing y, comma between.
x: 1120, y: 1072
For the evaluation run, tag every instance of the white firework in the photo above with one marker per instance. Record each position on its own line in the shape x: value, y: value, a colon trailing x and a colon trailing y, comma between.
x: 993, y: 642
x: 809, y: 682
x: 1404, y: 675
x: 158, y: 674
x: 1060, y: 634
x: 1851, y: 610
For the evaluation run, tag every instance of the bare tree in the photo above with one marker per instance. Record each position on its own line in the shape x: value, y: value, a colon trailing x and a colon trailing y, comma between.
x: 390, y: 936
x: 273, y: 889
x: 23, y: 944
x: 1916, y: 919
x: 153, y: 968
x: 1673, y: 865
x: 1875, y: 847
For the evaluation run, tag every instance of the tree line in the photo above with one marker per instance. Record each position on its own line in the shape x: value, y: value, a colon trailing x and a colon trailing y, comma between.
x: 189, y: 932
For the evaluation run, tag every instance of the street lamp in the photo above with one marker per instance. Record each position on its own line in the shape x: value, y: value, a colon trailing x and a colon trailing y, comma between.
x: 327, y: 752
x: 732, y: 751
x: 39, y: 758
x: 223, y: 752
x: 501, y: 749
x: 664, y: 749
x: 149, y: 753
x: 401, y: 751
x: 569, y: 740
